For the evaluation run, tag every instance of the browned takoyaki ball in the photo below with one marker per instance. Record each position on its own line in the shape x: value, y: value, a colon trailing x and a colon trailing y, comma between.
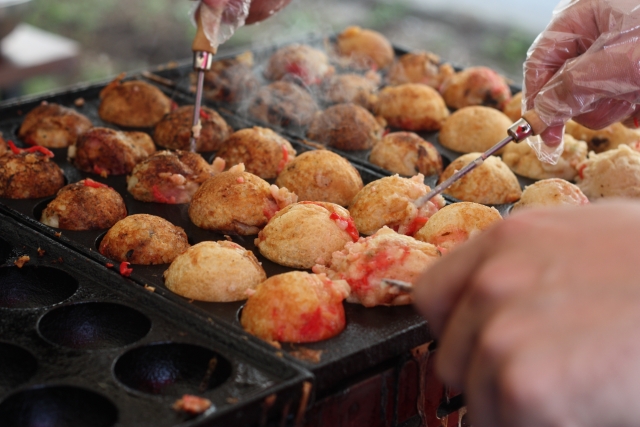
x: 412, y: 106
x: 407, y: 154
x: 263, y: 152
x: 364, y: 48
x: 110, y: 152
x: 306, y: 233
x: 283, y: 103
x: 419, y: 67
x: 169, y: 177
x: 144, y: 239
x: 474, y: 128
x: 354, y: 88
x: 237, y: 202
x: 322, y: 176
x: 230, y: 80
x: 84, y: 205
x: 296, y: 307
x: 174, y: 130
x: 476, y: 86
x: 3, y: 146
x: 52, y: 125
x: 29, y: 176
x: 300, y: 61
x: 346, y: 127
x: 601, y: 140
x: 549, y: 193
x: 513, y: 108
x: 133, y: 103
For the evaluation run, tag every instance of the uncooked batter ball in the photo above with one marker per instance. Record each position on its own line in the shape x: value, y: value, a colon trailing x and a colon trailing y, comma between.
x: 215, y: 272
x: 603, y: 139
x: 296, y: 307
x: 283, y: 103
x: 237, y: 202
x: 476, y: 86
x: 614, y: 173
x: 132, y: 103
x: 474, y: 128
x: 385, y: 255
x: 321, y: 176
x: 390, y: 201
x: 491, y: 183
x: 355, y: 88
x: 346, y: 127
x: 306, y: 233
x: 456, y: 223
x: 406, y: 153
x: 175, y: 129
x: 551, y: 192
x: 144, y: 239
x: 84, y: 205
x: 300, y: 61
x: 263, y: 152
x: 169, y: 177
x: 364, y: 49
x: 419, y: 67
x: 412, y: 106
x: 29, y: 175
x: 53, y: 126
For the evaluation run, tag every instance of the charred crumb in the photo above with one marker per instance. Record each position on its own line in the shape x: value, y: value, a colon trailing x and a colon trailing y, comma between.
x: 41, y: 252
x: 58, y: 234
x: 21, y: 261
x: 149, y: 288
x: 79, y: 102
x: 307, y: 354
x: 232, y: 400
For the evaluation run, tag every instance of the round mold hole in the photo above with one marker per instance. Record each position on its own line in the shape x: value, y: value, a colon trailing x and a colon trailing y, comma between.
x: 172, y: 369
x: 94, y: 325
x: 57, y: 406
x: 40, y: 207
x: 33, y: 287
x: 17, y: 366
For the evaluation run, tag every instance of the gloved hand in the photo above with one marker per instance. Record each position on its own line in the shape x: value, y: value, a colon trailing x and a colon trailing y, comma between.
x: 585, y: 66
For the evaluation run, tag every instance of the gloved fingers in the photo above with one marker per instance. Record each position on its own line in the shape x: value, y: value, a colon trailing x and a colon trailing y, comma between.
x: 606, y: 112
x: 552, y: 136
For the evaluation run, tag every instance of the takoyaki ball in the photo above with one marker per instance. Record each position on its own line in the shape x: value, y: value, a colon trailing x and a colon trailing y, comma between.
x: 53, y: 126
x: 389, y: 202
x: 110, y: 152
x: 346, y: 127
x: 476, y: 86
x: 385, y: 255
x: 283, y: 103
x: 604, y: 139
x: 215, y: 272
x: 169, y: 177
x: 551, y: 192
x: 237, y: 202
x: 456, y: 223
x: 513, y: 108
x: 613, y: 173
x: 29, y: 175
x: 491, y: 183
x: 522, y: 160
x: 84, y: 205
x: 364, y: 49
x: 419, y: 67
x: 306, y: 233
x: 230, y: 80
x: 355, y: 88
x: 4, y: 149
x: 144, y: 239
x: 407, y: 154
x: 263, y: 152
x: 474, y: 128
x: 133, y: 103
x: 321, y: 176
x: 296, y: 307
x: 174, y: 130
x: 412, y: 106
x: 300, y: 61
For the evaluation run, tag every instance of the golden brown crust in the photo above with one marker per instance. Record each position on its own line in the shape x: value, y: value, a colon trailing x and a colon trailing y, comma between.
x: 3, y: 146
x: 412, y: 106
x: 82, y: 207
x: 355, y: 88
x: 322, y: 176
x: 419, y: 67
x: 230, y: 80
x: 301, y: 61
x: 365, y: 48
x: 174, y: 130
x: 474, y: 128
x: 133, y: 103
x: 144, y: 239
x: 605, y: 139
x: 491, y: 183
x: 513, y: 108
x: 214, y: 271
x: 345, y: 127
x: 29, y: 176
x: 551, y: 192
x: 263, y: 152
x: 52, y: 125
x: 613, y: 173
x: 283, y: 103
x: 304, y: 234
x: 407, y: 154
x: 476, y: 86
